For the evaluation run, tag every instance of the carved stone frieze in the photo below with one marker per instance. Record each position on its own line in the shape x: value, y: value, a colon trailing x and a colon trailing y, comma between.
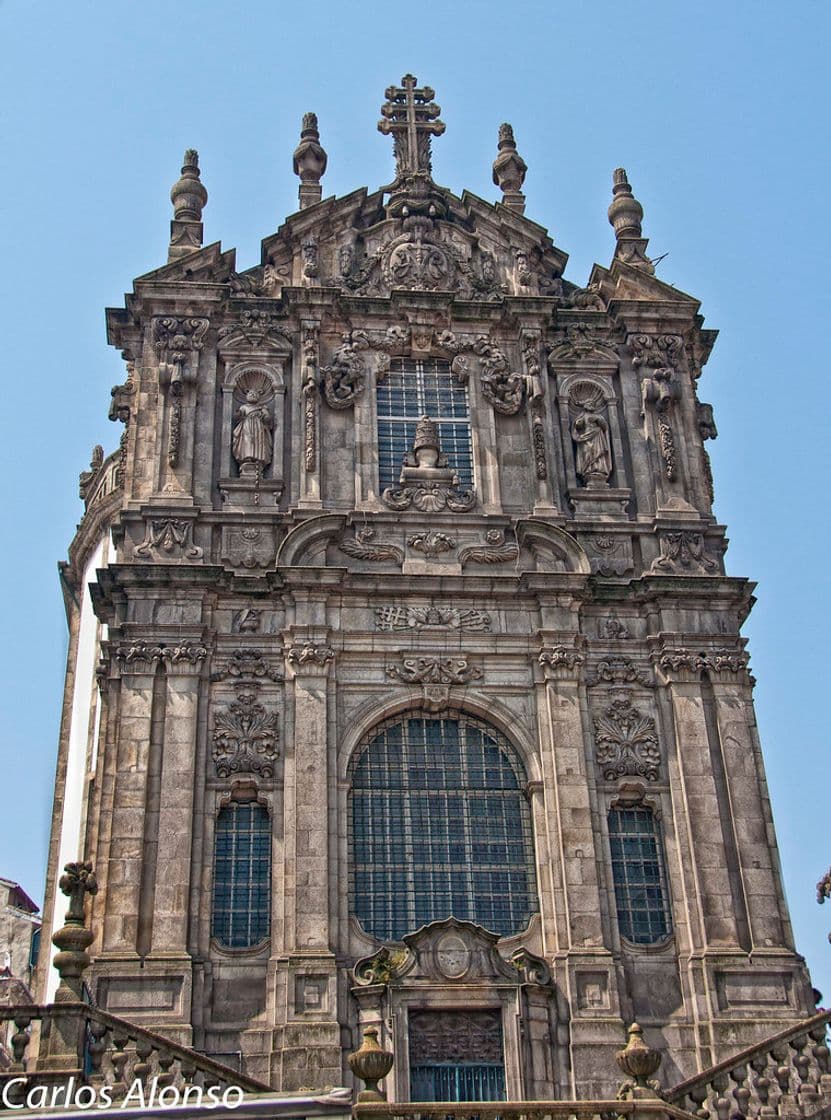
x: 310, y: 653
x: 252, y: 328
x: 431, y: 542
x: 612, y: 627
x: 626, y: 742
x: 687, y: 665
x: 399, y: 617
x: 365, y: 546
x: 246, y: 621
x: 142, y: 656
x: 429, y: 497
x: 168, y: 538
x: 610, y: 554
x: 245, y: 737
x: 251, y: 547
x: 618, y: 670
x: 684, y: 551
x: 495, y: 550
x: 435, y: 670
x: 581, y: 342
x: 655, y: 351
x: 246, y: 664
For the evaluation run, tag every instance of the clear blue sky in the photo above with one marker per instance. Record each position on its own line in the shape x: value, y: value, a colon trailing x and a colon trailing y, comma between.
x: 719, y: 113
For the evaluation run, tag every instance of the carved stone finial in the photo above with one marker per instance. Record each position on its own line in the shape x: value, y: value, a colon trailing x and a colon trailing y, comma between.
x: 639, y: 1063
x: 411, y: 116
x: 426, y: 446
x: 509, y: 170
x: 188, y: 196
x: 73, y: 938
x: 370, y: 1063
x: 310, y: 161
x: 625, y: 216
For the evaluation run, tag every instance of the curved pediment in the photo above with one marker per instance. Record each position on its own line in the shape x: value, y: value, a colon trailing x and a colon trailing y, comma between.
x: 552, y: 548
x: 450, y: 951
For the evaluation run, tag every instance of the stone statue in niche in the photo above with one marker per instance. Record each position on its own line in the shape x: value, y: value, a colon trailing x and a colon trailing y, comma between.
x: 252, y: 443
x: 590, y: 432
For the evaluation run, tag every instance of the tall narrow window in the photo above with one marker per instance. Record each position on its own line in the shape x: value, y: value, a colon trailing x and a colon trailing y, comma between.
x: 639, y: 876
x: 242, y: 872
x: 440, y: 828
x: 414, y: 388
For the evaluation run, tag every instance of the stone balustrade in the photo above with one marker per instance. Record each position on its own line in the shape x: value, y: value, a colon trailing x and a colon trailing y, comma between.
x: 528, y: 1110
x: 787, y: 1076
x: 109, y: 1051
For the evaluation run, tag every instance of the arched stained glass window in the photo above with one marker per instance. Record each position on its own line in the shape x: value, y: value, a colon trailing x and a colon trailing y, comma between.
x: 242, y: 876
x: 440, y: 827
x: 640, y: 879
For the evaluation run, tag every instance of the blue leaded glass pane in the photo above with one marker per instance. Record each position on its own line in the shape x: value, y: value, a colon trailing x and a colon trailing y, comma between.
x: 638, y: 872
x: 456, y: 839
x: 242, y: 876
x: 412, y: 389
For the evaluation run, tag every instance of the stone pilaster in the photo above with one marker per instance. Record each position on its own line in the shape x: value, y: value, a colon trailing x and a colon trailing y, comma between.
x: 183, y: 665
x: 697, y: 805
x: 137, y: 663
x: 307, y: 1048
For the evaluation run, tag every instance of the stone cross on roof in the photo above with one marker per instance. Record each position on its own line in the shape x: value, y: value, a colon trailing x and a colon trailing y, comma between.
x: 411, y: 116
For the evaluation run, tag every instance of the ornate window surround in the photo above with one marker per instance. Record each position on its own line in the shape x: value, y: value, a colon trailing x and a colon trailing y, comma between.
x: 262, y: 921
x: 419, y: 799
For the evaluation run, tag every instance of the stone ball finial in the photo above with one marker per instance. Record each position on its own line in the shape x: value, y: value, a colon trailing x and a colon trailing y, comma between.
x: 188, y: 193
x: 625, y: 212
x: 509, y: 168
x: 309, y: 157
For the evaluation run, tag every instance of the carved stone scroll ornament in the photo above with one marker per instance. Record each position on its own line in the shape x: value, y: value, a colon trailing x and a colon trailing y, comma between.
x: 435, y: 670
x: 534, y: 395
x: 494, y: 550
x: 618, y: 670
x: 560, y: 661
x: 176, y: 341
x: 168, y: 537
x: 310, y: 653
x: 141, y: 656
x: 245, y: 737
x: 121, y: 406
x: 436, y: 618
x: 658, y: 395
x: 626, y: 742
x: 436, y: 675
x: 582, y: 341
x: 590, y: 433
x: 309, y: 392
x: 683, y: 551
x: 431, y: 542
x: 343, y: 380
x: 427, y: 483
x: 364, y: 546
x: 253, y: 327
x: 612, y: 627
x: 246, y: 664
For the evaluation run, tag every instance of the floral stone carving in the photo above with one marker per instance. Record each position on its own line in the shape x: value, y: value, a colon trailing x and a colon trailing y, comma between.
x: 364, y: 546
x: 431, y: 542
x: 435, y: 670
x: 245, y: 737
x: 626, y: 742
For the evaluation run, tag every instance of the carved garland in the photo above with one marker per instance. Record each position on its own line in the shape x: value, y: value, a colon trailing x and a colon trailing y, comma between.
x: 626, y: 742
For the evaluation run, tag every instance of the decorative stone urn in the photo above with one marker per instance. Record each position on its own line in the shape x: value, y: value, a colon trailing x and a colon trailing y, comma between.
x: 370, y: 1063
x: 639, y: 1062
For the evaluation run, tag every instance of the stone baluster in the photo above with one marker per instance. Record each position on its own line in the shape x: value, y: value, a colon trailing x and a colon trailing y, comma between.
x: 20, y: 1041
x: 762, y: 1084
x: 165, y: 1061
x: 96, y: 1048
x: 699, y: 1097
x: 721, y: 1084
x: 118, y: 1057
x: 741, y: 1093
x: 143, y: 1067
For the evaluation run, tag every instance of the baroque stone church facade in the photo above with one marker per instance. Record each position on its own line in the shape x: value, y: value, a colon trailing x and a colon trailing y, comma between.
x: 406, y: 685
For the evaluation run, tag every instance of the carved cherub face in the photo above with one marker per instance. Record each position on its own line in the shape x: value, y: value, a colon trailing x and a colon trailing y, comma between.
x: 252, y: 396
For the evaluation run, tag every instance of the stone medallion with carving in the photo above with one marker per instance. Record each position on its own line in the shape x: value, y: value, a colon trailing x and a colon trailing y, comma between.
x: 452, y: 957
